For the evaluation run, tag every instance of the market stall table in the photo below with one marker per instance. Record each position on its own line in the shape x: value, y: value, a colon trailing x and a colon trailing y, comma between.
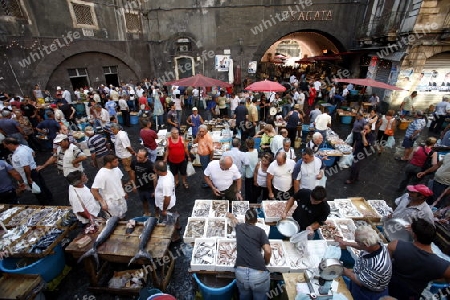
x: 291, y: 279
x: 324, y: 105
x: 121, y: 247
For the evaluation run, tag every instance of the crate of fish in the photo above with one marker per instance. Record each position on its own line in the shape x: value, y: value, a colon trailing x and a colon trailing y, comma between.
x: 195, y: 228
x: 20, y: 218
x: 347, y: 209
x: 23, y: 246
x: 278, y: 259
x: 216, y: 228
x: 347, y: 228
x: 274, y: 209
x: 38, y: 215
x: 204, y: 255
x: 381, y: 207
x: 368, y: 212
x: 305, y: 255
x: 219, y: 208
x: 54, y: 218
x: 329, y: 230
x: 226, y: 255
x: 12, y: 235
x: 238, y: 208
x: 6, y: 215
x: 359, y: 223
x: 201, y: 208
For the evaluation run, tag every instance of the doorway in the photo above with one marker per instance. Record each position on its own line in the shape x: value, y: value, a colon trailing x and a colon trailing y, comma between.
x: 111, y: 76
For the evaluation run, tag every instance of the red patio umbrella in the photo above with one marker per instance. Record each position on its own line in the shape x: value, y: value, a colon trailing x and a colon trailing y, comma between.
x: 369, y: 82
x: 265, y: 86
x: 200, y: 81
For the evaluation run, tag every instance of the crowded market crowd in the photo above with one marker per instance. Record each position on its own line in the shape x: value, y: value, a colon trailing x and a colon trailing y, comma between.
x: 264, y: 161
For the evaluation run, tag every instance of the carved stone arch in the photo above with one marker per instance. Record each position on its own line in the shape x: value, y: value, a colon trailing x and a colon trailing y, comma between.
x: 50, y: 62
x: 171, y: 43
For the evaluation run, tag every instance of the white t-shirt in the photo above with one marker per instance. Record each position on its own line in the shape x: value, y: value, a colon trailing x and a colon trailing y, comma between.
x: 22, y: 157
x: 78, y: 195
x: 234, y: 103
x: 221, y: 179
x: 301, y: 99
x: 308, y: 173
x: 121, y: 143
x: 109, y: 184
x: 165, y: 188
x: 317, y: 85
x: 177, y: 102
x: 322, y: 121
x: 123, y: 104
x: 282, y: 175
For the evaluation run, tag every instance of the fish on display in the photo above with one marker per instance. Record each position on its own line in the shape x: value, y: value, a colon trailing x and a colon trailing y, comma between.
x: 149, y: 225
x: 103, y: 236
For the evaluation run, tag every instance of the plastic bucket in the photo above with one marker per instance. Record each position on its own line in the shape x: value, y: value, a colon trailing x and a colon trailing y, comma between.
x: 346, y: 119
x: 330, y: 161
x: 134, y: 119
x: 435, y: 287
x: 404, y: 125
x: 120, y: 119
x: 222, y: 293
x: 48, y: 267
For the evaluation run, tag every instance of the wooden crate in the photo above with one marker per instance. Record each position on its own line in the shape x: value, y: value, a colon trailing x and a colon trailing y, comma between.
x: 18, y: 286
x: 363, y: 207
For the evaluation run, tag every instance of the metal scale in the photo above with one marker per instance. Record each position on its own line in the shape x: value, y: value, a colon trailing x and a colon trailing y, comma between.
x: 320, y: 286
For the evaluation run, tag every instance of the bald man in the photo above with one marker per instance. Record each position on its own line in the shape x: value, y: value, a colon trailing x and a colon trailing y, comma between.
x: 224, y: 179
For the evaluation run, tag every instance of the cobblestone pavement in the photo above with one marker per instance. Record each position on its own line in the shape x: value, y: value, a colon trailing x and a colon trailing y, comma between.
x: 379, y: 179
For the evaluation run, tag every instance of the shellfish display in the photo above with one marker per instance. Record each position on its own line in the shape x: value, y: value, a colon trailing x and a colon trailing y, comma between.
x: 329, y: 230
x: 381, y: 207
x: 204, y: 253
x: 227, y: 252
x: 201, y: 208
x: 219, y: 208
x: 216, y: 227
x: 274, y: 209
x: 238, y: 208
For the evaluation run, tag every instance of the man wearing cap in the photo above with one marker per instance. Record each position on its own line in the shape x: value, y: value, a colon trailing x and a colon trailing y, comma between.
x: 412, y: 133
x: 97, y: 145
x: 194, y: 120
x: 68, y: 157
x: 413, y: 204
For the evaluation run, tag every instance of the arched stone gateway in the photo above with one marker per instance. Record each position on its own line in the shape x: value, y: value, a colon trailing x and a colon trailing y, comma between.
x: 50, y: 64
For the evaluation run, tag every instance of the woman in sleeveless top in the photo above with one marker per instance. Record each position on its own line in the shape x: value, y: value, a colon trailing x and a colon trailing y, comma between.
x: 386, y: 128
x: 194, y: 120
x: 260, y: 178
x: 176, y: 154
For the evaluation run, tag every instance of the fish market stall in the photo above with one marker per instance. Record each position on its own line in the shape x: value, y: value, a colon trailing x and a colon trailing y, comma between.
x: 147, y: 245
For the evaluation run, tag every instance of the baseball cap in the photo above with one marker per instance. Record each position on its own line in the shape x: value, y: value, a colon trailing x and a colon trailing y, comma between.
x: 421, y: 189
x: 58, y: 87
x: 194, y: 108
x: 59, y: 138
x: 53, y: 105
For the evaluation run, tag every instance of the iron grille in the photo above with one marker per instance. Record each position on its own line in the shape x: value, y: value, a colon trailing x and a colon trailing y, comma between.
x: 133, y: 22
x: 11, y: 8
x: 83, y: 14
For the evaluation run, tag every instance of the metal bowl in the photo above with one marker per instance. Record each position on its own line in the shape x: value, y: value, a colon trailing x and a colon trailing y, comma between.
x: 396, y: 229
x: 288, y: 227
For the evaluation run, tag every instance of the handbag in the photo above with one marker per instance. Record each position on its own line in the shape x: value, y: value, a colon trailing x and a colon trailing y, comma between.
x: 390, y: 131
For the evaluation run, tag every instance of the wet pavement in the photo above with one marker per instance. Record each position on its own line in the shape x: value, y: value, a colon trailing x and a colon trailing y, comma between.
x: 379, y: 179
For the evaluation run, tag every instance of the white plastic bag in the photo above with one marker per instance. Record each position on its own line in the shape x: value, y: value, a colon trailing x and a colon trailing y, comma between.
x: 35, y: 189
x: 190, y: 170
x: 349, y: 139
x: 390, y: 143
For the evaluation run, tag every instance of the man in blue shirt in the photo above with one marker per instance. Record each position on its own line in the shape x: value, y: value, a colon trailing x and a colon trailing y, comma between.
x: 7, y: 188
x: 412, y: 133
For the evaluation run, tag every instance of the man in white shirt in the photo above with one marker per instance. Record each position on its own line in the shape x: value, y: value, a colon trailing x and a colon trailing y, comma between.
x: 311, y: 171
x: 442, y: 109
x: 224, y: 179
x: 99, y: 116
x: 66, y: 95
x: 83, y: 203
x: 322, y: 122
x: 234, y: 102
x: 123, y: 148
x: 345, y: 91
x: 139, y: 91
x: 108, y: 188
x: 23, y: 162
x: 195, y: 97
x: 286, y: 147
x: 374, y: 100
x: 279, y: 177
x: 293, y: 79
x: 317, y: 85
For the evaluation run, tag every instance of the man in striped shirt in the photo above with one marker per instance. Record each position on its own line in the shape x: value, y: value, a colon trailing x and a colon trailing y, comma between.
x: 97, y: 145
x: 372, y: 272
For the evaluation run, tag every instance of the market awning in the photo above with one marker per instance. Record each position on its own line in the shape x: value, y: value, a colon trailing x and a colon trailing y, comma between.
x: 395, y: 56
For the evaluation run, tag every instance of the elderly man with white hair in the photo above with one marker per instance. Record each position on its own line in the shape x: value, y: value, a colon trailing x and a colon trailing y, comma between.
x: 372, y: 272
x: 315, y: 143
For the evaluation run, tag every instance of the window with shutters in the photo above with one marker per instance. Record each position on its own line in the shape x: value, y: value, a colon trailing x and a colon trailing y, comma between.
x: 11, y: 8
x: 133, y: 22
x: 83, y: 14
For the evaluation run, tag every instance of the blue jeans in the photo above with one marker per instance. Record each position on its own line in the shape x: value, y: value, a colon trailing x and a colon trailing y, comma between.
x: 204, y: 161
x: 151, y: 154
x: 131, y: 104
x: 252, y: 284
x: 159, y: 119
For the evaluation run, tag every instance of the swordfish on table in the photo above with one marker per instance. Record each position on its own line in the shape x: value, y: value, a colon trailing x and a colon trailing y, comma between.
x: 111, y: 224
x: 149, y: 225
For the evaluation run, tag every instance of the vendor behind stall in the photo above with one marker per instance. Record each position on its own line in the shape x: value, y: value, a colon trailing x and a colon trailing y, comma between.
x: 312, y: 210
